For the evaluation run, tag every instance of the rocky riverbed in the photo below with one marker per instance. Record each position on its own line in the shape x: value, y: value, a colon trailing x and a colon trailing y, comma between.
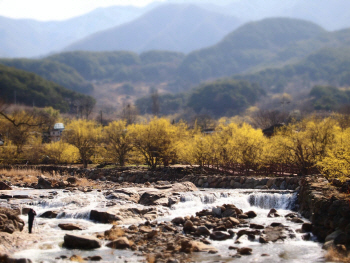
x: 168, y: 221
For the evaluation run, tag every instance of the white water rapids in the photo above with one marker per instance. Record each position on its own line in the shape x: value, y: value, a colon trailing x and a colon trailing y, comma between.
x: 74, y: 207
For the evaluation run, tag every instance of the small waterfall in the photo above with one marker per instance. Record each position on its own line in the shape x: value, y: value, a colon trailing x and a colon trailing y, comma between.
x: 272, y: 200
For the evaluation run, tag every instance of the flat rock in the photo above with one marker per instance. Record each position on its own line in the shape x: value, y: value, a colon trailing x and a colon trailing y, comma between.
x: 70, y: 227
x: 81, y: 242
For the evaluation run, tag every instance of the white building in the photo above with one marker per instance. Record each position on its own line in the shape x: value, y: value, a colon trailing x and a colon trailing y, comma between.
x: 56, y: 133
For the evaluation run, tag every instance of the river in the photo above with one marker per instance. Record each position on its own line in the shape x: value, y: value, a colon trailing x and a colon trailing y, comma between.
x: 75, y: 207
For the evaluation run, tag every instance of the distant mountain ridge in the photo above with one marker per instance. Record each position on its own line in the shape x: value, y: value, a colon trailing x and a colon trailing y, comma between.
x: 180, y: 28
x: 31, y: 38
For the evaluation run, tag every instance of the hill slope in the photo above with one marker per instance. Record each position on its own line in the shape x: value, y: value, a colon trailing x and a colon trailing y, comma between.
x: 181, y: 28
x: 57, y: 72
x: 327, y: 66
x: 250, y: 45
x: 30, y: 89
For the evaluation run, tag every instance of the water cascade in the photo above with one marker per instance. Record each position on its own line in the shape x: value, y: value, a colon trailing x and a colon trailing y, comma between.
x: 74, y: 207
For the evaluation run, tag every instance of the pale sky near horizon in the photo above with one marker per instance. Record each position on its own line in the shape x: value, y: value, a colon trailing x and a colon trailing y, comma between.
x: 46, y: 10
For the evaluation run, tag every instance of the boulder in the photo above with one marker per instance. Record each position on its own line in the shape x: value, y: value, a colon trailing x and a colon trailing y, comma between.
x: 151, y: 198
x: 229, y: 213
x: 103, y: 216
x: 202, y: 231
x: 189, y: 246
x: 306, y: 227
x: 219, y: 235
x: 178, y: 220
x: 44, y: 183
x: 119, y: 243
x: 4, y: 186
x: 127, y: 194
x: 188, y: 226
x: 256, y: 226
x: 234, y: 221
x: 9, y: 221
x: 251, y: 214
x: 273, y: 213
x: 274, y: 233
x: 70, y: 227
x: 49, y: 214
x: 245, y: 251
x: 81, y: 242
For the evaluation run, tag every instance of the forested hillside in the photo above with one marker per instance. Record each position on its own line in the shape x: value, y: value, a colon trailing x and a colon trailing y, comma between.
x: 329, y: 65
x: 249, y: 46
x: 30, y: 89
x: 122, y: 66
x: 62, y: 74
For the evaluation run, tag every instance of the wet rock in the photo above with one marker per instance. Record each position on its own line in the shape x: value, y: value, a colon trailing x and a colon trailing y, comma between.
x: 81, y: 242
x: 44, y: 183
x: 178, y: 220
x: 188, y: 226
x: 103, y: 216
x: 273, y: 213
x: 216, y: 211
x: 152, y: 234
x: 153, y: 198
x: 229, y: 213
x: 4, y: 186
x: 94, y: 258
x: 297, y: 220
x: 272, y: 234
x: 243, y: 216
x: 119, y: 243
x: 9, y: 221
x: 189, y: 246
x: 128, y: 194
x: 145, y: 229
x: 17, y: 260
x: 69, y: 226
x: 219, y: 235
x: 49, y: 214
x: 274, y: 224
x: 234, y: 221
x: 263, y: 240
x: 256, y: 226
x: 245, y: 251
x: 202, y: 231
x: 306, y: 227
x: 306, y: 237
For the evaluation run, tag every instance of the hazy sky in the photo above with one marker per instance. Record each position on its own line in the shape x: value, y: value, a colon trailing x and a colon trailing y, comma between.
x: 58, y: 9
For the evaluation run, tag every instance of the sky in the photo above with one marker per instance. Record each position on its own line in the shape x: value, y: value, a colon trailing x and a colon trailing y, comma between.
x: 45, y: 10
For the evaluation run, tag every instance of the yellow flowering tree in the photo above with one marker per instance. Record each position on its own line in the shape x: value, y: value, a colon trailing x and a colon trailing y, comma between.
x: 85, y: 136
x: 155, y: 141
x: 336, y: 163
x: 118, y: 142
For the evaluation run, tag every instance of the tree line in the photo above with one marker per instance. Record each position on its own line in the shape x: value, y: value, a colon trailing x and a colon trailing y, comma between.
x: 314, y: 143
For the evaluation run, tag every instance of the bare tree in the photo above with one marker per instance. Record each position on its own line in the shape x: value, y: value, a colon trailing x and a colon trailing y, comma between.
x: 129, y: 114
x: 267, y: 118
x: 155, y: 102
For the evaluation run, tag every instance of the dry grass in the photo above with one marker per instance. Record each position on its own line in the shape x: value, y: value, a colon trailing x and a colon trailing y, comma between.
x: 114, y: 233
x: 334, y: 255
x: 20, y: 175
x: 30, y: 176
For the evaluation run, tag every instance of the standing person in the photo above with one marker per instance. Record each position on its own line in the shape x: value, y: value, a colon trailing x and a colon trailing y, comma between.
x: 31, y: 215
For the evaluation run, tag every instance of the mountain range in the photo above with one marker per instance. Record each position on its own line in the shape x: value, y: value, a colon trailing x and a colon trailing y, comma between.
x: 181, y: 28
x: 119, y: 26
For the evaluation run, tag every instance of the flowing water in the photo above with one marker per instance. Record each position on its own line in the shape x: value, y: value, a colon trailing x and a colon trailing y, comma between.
x: 75, y: 207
